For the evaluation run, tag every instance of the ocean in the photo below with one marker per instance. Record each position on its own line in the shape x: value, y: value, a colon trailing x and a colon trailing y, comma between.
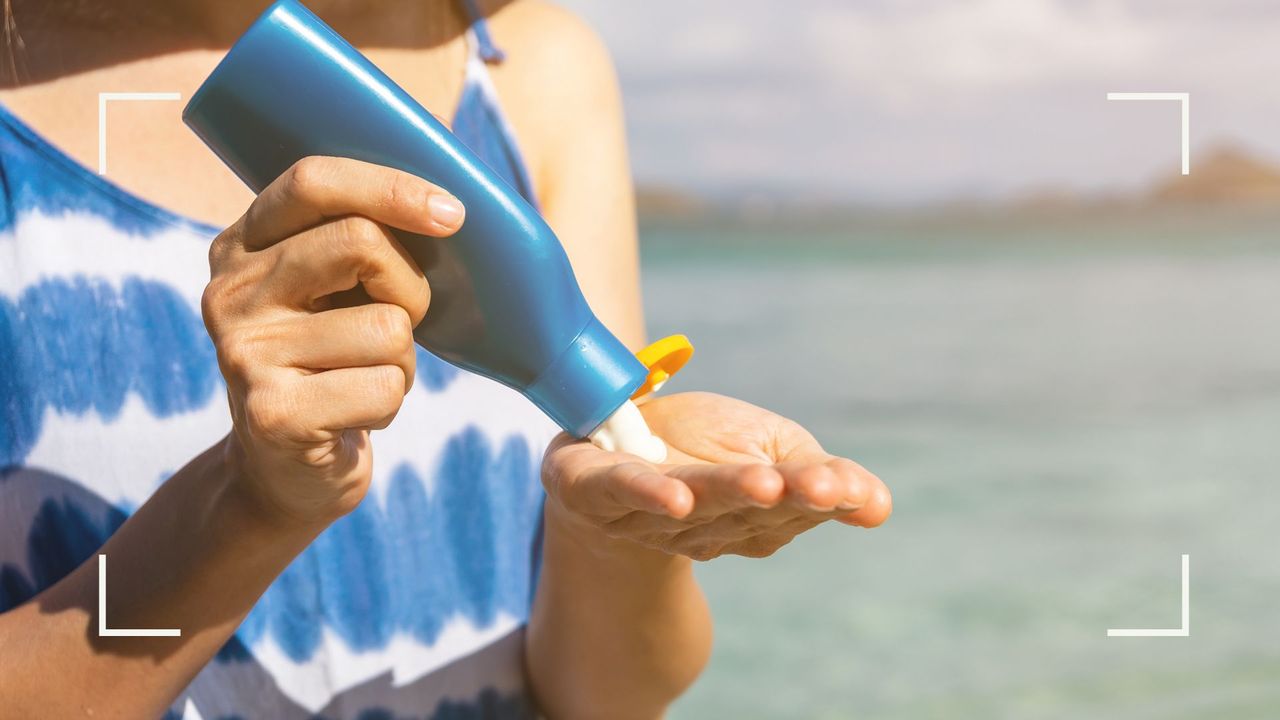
x: 1063, y: 407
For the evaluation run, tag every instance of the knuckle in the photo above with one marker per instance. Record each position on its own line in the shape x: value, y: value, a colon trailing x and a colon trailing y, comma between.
x: 857, y: 493
x: 409, y: 363
x: 391, y: 328
x: 554, y: 474
x: 267, y: 414
x: 419, y: 300
x: 700, y: 550
x: 762, y: 482
x: 404, y: 191
x: 305, y: 178
x: 387, y: 389
x: 756, y: 550
x: 705, y: 553
x: 572, y: 501
x: 819, y: 481
x: 361, y: 237
x: 220, y: 248
x: 235, y: 353
x: 387, y: 385
x: 211, y: 303
x: 219, y: 302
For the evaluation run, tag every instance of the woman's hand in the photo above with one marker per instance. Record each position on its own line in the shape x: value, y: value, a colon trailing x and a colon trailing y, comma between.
x: 738, y: 480
x: 311, y: 367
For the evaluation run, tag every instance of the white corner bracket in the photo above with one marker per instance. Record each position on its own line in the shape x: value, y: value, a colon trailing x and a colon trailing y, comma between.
x: 1185, y: 630
x: 1185, y: 99
x: 103, y: 99
x: 103, y: 630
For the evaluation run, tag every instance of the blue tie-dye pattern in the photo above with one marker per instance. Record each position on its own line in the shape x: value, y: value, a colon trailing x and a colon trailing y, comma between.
x: 478, y: 123
x: 79, y: 344
x: 489, y: 705
x: 372, y: 573
x: 63, y: 534
x: 421, y: 561
x: 434, y: 373
x: 456, y: 543
x: 39, y: 177
x: 463, y: 551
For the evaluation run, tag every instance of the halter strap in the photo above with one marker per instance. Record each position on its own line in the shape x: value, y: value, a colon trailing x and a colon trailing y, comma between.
x: 483, y: 46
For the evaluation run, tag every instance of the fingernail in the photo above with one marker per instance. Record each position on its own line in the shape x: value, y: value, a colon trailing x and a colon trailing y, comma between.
x: 446, y: 211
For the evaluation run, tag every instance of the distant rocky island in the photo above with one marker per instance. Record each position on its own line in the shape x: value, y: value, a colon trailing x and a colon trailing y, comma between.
x: 1225, y: 175
x: 654, y: 201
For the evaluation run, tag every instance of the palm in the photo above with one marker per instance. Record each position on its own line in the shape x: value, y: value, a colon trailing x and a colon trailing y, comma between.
x: 702, y: 428
x: 738, y: 479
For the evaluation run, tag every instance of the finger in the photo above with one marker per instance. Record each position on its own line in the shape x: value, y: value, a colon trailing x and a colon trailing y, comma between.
x: 855, y: 482
x: 811, y: 486
x: 875, y: 510
x: 866, y: 500
x: 718, y: 489
x: 361, y: 336
x: 339, y: 255
x: 328, y: 400
x: 315, y: 408
x: 611, y: 491
x: 317, y: 189
x: 599, y: 484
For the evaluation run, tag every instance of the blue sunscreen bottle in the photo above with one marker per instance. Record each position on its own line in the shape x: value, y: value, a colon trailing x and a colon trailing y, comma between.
x: 505, y: 302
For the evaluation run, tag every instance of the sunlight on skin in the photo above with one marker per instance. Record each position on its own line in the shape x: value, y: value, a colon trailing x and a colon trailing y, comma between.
x: 738, y: 480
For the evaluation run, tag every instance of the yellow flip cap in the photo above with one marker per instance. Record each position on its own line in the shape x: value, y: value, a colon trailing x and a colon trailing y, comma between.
x: 664, y: 358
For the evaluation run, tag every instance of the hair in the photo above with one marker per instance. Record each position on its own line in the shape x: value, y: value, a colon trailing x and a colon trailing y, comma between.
x: 13, y: 46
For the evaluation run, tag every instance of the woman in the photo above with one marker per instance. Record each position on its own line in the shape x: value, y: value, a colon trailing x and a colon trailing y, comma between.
x: 305, y: 578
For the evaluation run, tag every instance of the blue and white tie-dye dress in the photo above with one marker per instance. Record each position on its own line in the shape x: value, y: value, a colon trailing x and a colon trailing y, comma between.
x: 410, y: 607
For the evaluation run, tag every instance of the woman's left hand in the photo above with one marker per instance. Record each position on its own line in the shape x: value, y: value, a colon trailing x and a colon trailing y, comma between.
x: 738, y: 479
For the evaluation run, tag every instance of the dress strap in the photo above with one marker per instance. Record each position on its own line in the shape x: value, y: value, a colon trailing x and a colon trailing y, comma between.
x: 483, y: 42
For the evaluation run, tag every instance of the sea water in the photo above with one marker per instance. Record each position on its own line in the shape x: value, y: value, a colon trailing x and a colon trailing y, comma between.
x: 1062, y: 407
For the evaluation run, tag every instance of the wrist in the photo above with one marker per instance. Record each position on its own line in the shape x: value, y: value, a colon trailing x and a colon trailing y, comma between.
x: 244, y: 496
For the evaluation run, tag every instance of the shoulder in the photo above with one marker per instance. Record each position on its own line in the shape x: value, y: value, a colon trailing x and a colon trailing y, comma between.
x: 557, y: 83
x: 543, y: 34
x: 556, y: 62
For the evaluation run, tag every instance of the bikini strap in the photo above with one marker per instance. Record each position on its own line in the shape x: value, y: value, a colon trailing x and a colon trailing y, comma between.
x: 483, y: 43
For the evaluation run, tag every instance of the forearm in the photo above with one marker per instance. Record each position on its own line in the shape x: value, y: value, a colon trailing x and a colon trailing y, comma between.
x: 617, y: 630
x: 196, y: 557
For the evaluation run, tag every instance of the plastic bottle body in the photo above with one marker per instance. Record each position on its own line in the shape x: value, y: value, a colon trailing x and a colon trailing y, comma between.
x: 505, y: 302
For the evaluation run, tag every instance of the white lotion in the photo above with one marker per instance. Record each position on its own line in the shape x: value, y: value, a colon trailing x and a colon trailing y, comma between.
x: 626, y: 431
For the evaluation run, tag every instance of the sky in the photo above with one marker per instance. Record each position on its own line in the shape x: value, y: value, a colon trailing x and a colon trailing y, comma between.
x: 910, y: 100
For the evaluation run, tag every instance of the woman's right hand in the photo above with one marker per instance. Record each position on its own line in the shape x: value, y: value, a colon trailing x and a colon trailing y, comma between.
x: 308, y: 373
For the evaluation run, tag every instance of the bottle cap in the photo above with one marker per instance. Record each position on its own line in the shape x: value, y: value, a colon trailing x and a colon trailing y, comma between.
x: 664, y: 359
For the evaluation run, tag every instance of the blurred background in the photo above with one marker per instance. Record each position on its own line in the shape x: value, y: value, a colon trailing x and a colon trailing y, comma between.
x: 919, y: 227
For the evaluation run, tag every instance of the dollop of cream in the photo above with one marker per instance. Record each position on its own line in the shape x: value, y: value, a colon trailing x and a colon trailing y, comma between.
x: 626, y: 431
